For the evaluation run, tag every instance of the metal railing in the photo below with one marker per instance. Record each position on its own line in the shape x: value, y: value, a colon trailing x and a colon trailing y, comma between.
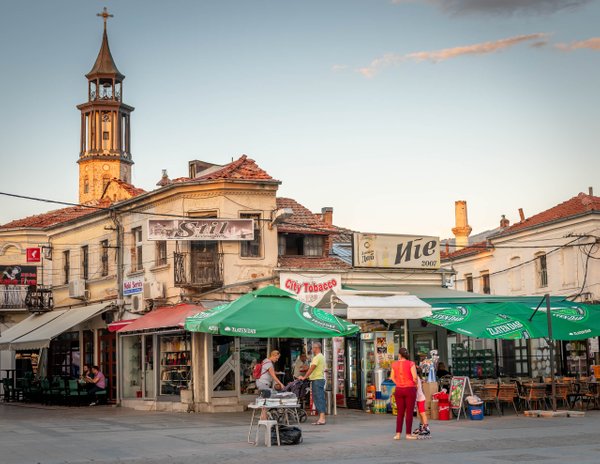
x: 13, y: 296
x: 198, y: 269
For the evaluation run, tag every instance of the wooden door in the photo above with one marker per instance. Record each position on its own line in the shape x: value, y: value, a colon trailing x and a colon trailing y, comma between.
x: 108, y: 361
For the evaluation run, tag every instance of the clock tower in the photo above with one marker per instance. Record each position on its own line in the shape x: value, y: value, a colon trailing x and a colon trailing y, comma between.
x: 105, y: 151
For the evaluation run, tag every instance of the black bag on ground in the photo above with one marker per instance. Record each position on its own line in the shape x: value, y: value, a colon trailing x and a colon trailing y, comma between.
x: 287, y: 435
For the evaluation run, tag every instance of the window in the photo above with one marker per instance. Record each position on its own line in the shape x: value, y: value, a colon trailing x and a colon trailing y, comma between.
x: 105, y: 181
x: 252, y: 248
x: 469, y: 282
x: 300, y: 245
x: 137, y: 261
x: 313, y: 245
x: 485, y: 282
x: 515, y: 274
x: 104, y: 258
x: 160, y: 257
x: 84, y: 262
x: 66, y: 265
x: 541, y: 267
x: 105, y: 135
x: 86, y: 185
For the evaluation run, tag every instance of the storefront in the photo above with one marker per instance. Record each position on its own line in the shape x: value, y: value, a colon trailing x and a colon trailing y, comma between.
x: 155, y: 355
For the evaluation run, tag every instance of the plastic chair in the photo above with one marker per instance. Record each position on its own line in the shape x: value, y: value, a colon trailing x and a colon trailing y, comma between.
x: 268, y: 425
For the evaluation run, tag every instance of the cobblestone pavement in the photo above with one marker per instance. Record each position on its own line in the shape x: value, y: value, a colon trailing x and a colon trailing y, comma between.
x: 44, y: 435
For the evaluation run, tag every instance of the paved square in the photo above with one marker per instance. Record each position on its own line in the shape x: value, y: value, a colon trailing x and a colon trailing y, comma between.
x: 31, y: 434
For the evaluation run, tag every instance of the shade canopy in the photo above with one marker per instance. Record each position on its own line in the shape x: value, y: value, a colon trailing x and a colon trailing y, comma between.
x: 392, y: 307
x: 42, y: 336
x: 269, y: 312
x: 570, y: 321
x: 30, y: 324
x: 165, y: 317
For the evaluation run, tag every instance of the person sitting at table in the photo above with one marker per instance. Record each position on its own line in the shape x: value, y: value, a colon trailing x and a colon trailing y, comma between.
x: 441, y: 370
x: 99, y: 384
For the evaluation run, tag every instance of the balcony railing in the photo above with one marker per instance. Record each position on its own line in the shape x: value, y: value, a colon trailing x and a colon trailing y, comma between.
x: 13, y: 297
x: 198, y: 269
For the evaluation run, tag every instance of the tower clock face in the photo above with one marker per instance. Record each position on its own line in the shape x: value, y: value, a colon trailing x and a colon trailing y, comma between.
x: 105, y: 117
x: 105, y: 167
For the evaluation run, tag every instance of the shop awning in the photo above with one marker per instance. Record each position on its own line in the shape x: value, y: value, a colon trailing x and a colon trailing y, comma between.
x: 42, y: 336
x: 165, y: 317
x: 26, y: 326
x: 115, y: 326
x: 392, y: 307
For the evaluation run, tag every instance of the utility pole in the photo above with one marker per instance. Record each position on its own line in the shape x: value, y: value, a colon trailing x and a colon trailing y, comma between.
x: 120, y: 265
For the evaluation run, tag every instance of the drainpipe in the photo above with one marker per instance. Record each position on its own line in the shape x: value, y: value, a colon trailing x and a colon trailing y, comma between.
x: 120, y: 303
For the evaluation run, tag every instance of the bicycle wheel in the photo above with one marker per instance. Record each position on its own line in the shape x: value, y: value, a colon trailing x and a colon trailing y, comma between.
x: 302, y: 416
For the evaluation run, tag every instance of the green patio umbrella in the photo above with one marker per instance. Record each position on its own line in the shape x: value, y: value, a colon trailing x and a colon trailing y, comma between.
x: 269, y: 312
x: 511, y: 320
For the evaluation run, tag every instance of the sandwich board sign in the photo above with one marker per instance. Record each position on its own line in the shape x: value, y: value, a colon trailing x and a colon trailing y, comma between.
x: 458, y: 387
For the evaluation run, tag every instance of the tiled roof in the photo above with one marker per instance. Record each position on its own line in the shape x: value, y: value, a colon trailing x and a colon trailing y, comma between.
x: 342, y: 235
x: 129, y: 188
x: 303, y: 221
x: 473, y: 249
x: 55, y: 217
x: 244, y: 169
x: 576, y: 206
x: 328, y: 263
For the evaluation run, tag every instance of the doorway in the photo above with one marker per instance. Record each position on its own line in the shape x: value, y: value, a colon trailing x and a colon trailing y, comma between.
x: 225, y: 362
x: 108, y: 361
x: 423, y: 343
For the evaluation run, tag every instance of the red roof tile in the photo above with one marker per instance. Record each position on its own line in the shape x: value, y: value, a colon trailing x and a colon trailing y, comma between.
x: 473, y: 249
x: 303, y: 221
x: 244, y: 169
x: 55, y: 217
x: 129, y: 188
x: 328, y: 263
x: 576, y: 206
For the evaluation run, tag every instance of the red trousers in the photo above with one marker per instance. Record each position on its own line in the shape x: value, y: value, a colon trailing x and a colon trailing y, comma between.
x: 405, y: 403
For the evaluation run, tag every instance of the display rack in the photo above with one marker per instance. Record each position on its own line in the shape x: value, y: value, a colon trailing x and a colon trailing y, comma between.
x: 473, y: 363
x: 175, y: 365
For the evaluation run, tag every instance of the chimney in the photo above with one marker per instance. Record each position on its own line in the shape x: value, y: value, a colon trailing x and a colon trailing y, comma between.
x: 327, y: 215
x: 164, y: 180
x: 521, y: 214
x: 591, y: 191
x: 462, y: 230
x: 504, y: 223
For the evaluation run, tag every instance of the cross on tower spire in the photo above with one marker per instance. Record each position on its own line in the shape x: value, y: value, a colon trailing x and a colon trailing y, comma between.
x: 105, y: 15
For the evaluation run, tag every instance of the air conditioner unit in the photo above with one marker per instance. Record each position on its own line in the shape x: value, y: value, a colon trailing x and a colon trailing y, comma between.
x: 77, y: 289
x: 154, y: 290
x: 137, y: 304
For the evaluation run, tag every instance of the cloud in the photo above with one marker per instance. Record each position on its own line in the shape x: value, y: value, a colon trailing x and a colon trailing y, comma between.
x: 484, y: 48
x: 339, y: 67
x: 501, y: 7
x: 590, y: 44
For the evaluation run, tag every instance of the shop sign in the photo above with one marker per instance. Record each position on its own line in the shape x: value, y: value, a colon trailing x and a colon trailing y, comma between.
x: 133, y: 286
x: 201, y: 229
x: 310, y: 289
x: 18, y: 275
x: 34, y: 255
x: 396, y: 251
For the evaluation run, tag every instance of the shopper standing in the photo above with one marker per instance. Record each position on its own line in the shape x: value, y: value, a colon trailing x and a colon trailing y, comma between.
x: 404, y: 375
x: 316, y: 375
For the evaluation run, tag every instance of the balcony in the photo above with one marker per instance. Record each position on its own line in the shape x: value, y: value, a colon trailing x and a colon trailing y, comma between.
x: 13, y: 297
x: 198, y: 269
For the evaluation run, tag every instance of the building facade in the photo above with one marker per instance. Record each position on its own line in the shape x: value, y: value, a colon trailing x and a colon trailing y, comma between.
x: 554, y: 251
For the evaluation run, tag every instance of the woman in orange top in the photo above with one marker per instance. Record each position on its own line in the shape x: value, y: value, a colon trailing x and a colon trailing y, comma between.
x: 404, y: 375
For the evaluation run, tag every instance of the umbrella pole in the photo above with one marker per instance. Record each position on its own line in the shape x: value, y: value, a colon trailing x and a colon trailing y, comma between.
x: 551, y: 347
x: 496, y: 356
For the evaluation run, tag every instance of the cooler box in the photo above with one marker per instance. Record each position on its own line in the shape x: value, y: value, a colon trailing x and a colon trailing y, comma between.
x: 475, y: 411
x: 388, y: 387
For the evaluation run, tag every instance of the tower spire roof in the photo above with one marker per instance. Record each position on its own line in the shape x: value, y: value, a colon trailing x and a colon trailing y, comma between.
x: 105, y: 64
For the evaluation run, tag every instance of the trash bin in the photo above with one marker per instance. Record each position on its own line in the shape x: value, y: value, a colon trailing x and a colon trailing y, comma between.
x: 475, y: 411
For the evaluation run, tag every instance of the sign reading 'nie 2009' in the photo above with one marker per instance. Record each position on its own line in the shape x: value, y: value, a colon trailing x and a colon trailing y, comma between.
x: 200, y: 229
x: 396, y: 251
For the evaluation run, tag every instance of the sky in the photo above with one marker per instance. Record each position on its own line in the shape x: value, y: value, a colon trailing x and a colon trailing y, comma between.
x: 386, y: 110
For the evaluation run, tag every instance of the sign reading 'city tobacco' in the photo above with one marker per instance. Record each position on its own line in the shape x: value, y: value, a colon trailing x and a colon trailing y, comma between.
x: 396, y: 251
x: 200, y: 229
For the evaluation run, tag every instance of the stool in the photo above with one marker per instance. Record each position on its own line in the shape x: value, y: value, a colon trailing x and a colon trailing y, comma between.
x: 268, y: 425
